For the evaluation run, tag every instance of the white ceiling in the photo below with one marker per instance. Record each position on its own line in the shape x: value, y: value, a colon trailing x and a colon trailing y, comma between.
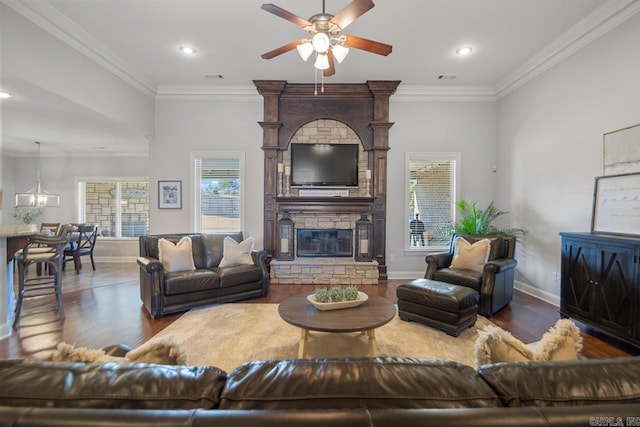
x: 138, y: 40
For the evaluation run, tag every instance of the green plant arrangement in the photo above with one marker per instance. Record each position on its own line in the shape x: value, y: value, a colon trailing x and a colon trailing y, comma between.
x: 321, y: 295
x: 336, y: 294
x: 26, y: 215
x: 473, y: 220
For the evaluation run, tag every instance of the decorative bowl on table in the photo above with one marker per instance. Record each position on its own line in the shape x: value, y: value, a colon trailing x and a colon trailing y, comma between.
x: 362, y: 297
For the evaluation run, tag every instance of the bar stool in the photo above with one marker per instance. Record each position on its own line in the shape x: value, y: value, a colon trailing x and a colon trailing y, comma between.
x: 41, y: 249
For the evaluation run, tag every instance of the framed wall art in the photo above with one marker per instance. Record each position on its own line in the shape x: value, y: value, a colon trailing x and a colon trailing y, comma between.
x: 622, y: 151
x: 616, y: 204
x: 169, y: 194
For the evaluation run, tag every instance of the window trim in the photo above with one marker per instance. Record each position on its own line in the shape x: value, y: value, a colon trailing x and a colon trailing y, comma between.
x: 194, y: 191
x: 81, y: 201
x: 432, y: 156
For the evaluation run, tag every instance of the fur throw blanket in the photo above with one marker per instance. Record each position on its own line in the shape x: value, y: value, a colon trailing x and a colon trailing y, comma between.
x: 164, y: 350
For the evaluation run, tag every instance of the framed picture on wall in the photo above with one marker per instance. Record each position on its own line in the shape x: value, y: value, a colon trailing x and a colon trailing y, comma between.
x: 169, y: 194
x: 616, y: 204
x: 622, y: 151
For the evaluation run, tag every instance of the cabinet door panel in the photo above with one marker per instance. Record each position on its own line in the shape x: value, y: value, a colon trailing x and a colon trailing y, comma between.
x: 615, y: 297
x: 576, y: 294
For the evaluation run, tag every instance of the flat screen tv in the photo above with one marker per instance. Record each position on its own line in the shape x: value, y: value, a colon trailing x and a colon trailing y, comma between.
x: 324, y: 165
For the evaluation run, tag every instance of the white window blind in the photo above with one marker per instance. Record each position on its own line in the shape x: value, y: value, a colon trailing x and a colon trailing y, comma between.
x: 218, y: 193
x: 432, y: 193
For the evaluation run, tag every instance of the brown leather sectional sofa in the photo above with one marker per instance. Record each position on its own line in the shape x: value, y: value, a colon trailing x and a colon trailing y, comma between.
x: 323, y: 392
x: 165, y: 293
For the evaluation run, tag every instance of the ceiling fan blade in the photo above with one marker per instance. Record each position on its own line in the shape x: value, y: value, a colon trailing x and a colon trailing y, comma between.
x: 351, y: 12
x: 332, y: 66
x: 284, y: 14
x: 282, y: 49
x: 368, y: 45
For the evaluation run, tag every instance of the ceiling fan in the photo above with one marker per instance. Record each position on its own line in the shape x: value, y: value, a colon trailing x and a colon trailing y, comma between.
x: 325, y: 38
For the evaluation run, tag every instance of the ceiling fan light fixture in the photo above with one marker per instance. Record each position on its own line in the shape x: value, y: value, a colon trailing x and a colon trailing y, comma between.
x: 320, y: 42
x: 322, y: 61
x: 305, y: 50
x: 340, y: 52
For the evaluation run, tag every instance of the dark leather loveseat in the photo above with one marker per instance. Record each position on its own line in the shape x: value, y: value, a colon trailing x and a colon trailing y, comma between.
x: 163, y: 293
x: 322, y: 392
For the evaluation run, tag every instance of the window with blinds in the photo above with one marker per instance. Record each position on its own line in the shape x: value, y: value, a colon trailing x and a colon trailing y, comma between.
x: 118, y: 206
x: 218, y: 199
x: 432, y: 194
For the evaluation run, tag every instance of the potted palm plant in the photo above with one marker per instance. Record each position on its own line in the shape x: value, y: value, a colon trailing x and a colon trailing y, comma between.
x: 475, y: 221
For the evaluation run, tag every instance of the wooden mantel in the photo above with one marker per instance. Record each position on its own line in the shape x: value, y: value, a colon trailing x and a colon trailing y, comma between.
x: 364, y: 107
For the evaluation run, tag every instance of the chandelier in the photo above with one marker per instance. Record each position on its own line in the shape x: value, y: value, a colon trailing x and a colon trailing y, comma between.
x: 37, y: 197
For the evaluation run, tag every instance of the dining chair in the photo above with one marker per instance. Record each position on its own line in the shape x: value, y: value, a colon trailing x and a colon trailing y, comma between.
x: 41, y: 249
x: 82, y: 243
x: 49, y: 229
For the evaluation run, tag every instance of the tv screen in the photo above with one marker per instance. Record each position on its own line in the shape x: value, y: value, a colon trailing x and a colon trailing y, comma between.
x: 324, y: 165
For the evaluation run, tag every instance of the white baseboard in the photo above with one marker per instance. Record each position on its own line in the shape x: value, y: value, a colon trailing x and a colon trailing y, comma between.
x: 114, y: 259
x: 538, y: 293
x: 5, y: 330
x: 409, y: 275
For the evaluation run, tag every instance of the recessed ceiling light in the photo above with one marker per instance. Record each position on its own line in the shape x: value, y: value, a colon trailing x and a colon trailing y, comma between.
x: 464, y: 50
x: 188, y: 50
x: 5, y: 95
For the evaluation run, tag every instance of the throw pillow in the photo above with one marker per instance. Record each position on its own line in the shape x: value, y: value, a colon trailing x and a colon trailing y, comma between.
x: 470, y: 257
x: 178, y: 257
x: 561, y: 342
x: 234, y: 253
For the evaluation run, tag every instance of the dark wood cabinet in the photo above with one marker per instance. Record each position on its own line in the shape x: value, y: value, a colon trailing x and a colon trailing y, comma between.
x: 600, y: 283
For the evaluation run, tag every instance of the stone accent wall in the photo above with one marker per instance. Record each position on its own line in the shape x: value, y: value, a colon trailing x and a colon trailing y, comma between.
x: 323, y: 271
x: 330, y: 132
x: 333, y: 271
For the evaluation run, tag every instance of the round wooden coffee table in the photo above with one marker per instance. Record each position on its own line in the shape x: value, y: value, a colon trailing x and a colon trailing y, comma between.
x: 365, y: 318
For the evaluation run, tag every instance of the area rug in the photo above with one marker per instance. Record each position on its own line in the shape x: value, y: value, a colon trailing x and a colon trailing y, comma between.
x: 227, y: 335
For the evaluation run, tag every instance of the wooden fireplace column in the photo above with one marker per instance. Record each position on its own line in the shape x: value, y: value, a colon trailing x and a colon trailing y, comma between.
x: 364, y: 107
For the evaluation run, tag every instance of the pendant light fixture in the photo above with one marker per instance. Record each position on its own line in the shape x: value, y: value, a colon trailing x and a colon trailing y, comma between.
x: 37, y: 197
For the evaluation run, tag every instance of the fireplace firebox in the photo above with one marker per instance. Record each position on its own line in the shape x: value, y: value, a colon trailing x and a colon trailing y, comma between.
x: 324, y: 242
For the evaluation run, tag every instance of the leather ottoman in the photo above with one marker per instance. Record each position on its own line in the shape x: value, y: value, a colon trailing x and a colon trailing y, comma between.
x: 444, y: 306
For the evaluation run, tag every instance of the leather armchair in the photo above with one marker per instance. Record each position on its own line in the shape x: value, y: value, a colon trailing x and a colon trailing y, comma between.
x: 494, y: 283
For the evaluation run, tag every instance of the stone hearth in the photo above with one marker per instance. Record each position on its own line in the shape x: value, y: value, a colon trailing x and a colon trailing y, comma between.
x: 324, y: 271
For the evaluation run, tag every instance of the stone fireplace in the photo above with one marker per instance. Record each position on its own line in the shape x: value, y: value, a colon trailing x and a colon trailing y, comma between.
x: 324, y: 222
x: 324, y: 243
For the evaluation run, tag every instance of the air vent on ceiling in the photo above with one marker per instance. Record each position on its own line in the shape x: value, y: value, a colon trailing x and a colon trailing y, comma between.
x: 447, y: 76
x: 213, y: 76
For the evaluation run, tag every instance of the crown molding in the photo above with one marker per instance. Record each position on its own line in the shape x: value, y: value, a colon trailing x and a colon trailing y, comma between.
x: 404, y: 93
x: 50, y: 19
x: 206, y: 92
x: 599, y: 22
x: 445, y: 93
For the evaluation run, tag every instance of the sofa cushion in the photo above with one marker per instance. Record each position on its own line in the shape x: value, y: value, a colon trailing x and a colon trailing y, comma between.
x: 235, y: 253
x: 468, y: 278
x: 110, y: 385
x: 190, y: 281
x: 385, y: 382
x: 470, y: 256
x: 176, y: 257
x: 239, y: 275
x: 565, y: 383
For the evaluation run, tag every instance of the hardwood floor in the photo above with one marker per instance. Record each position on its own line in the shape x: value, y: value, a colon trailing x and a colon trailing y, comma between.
x: 103, y: 308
